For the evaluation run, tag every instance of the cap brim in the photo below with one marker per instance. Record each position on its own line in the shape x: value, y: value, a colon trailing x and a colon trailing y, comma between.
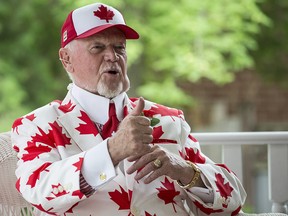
x: 129, y: 32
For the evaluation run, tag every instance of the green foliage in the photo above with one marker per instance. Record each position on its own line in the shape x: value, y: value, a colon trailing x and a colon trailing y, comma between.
x: 167, y: 93
x: 189, y: 41
x: 178, y: 41
x: 271, y: 58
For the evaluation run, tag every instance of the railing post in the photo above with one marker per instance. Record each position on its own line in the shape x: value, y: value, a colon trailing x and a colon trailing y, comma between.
x: 232, y: 157
x: 278, y: 175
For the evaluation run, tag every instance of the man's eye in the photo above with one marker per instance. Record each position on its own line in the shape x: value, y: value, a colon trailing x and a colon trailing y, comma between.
x: 120, y: 48
x: 98, y: 47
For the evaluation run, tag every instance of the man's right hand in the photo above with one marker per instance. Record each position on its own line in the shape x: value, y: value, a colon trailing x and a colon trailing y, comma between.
x: 133, y: 136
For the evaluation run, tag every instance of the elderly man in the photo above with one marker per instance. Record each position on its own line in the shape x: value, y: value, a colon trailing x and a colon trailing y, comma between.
x: 98, y: 152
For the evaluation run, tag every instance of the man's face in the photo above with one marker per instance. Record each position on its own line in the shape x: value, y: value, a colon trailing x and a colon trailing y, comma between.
x: 98, y: 63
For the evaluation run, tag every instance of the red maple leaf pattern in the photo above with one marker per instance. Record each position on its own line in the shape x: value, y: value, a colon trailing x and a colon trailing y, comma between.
x: 148, y: 214
x: 192, y: 138
x: 234, y: 213
x: 67, y: 107
x: 16, y: 124
x: 33, y: 178
x: 157, y: 132
x: 16, y: 148
x: 224, y: 188
x: 192, y: 156
x: 224, y: 166
x: 104, y: 14
x: 88, y: 127
x: 53, y: 138
x: 121, y: 198
x: 60, y: 139
x: 19, y: 122
x: 17, y: 184
x: 168, y: 192
x: 78, y: 193
x: 71, y: 209
x: 31, y: 117
x: 78, y: 164
x: 49, y: 211
x: 34, y: 149
x: 207, y: 211
x: 162, y: 110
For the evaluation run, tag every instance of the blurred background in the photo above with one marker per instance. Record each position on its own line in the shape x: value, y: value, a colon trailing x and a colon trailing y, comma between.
x: 224, y: 63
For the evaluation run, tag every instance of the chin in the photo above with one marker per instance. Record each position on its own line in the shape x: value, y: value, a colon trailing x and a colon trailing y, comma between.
x: 107, y: 92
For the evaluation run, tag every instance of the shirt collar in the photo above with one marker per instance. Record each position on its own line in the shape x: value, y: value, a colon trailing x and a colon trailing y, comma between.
x: 97, y: 107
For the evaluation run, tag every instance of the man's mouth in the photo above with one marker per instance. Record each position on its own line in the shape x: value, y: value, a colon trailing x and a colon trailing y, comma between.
x: 112, y: 72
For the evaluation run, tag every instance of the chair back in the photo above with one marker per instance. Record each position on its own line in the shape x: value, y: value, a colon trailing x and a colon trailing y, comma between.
x: 11, y: 201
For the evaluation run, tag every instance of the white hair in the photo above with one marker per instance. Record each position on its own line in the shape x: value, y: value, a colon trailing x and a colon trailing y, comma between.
x: 69, y: 47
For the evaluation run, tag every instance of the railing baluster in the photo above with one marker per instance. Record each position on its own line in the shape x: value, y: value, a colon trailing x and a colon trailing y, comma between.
x: 277, y: 158
x: 232, y: 157
x: 278, y: 176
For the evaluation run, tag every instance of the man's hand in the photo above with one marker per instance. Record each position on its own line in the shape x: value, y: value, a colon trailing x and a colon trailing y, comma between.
x: 133, y: 136
x: 171, y: 165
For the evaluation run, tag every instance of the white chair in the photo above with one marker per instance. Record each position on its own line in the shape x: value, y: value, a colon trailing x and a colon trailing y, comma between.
x: 11, y: 202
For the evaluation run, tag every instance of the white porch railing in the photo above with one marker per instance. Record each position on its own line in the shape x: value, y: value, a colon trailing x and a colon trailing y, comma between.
x: 277, y: 142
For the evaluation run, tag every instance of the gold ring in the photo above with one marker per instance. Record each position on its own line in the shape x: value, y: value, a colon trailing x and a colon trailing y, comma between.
x: 157, y: 163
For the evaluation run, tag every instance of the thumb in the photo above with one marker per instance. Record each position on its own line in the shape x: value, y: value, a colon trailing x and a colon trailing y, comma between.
x: 139, y: 107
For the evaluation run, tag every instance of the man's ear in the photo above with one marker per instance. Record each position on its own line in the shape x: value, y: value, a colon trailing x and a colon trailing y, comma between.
x: 64, y: 57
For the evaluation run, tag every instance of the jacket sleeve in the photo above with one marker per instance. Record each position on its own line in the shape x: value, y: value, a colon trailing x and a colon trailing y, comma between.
x: 44, y: 178
x: 229, y: 194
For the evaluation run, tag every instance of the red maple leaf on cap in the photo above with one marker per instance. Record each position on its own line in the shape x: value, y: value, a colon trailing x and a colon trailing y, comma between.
x: 104, y: 14
x: 168, y: 193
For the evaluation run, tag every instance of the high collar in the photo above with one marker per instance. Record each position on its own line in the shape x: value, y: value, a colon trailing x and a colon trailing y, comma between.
x: 97, y: 107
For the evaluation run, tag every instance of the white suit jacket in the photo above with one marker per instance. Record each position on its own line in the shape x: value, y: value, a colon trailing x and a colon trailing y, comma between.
x: 52, y: 140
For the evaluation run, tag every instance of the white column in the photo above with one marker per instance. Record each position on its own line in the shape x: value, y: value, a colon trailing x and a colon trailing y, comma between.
x: 278, y: 176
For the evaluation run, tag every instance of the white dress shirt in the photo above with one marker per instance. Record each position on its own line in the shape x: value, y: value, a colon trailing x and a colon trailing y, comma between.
x: 97, y: 161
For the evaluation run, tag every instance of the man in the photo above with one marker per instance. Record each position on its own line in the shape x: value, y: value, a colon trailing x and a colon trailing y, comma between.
x: 98, y: 152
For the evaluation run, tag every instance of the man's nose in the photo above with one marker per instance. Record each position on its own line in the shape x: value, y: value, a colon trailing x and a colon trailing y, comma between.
x: 110, y: 54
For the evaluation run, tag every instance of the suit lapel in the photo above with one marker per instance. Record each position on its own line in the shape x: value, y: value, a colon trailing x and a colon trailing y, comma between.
x: 77, y: 124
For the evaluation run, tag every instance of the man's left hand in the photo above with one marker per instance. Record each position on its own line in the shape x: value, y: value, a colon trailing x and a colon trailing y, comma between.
x: 171, y: 165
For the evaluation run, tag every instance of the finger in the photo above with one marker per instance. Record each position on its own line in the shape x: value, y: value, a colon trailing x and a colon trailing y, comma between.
x: 145, y: 150
x: 154, y: 175
x: 139, y: 107
x: 142, y: 120
x: 133, y: 158
x: 145, y: 171
x: 141, y: 162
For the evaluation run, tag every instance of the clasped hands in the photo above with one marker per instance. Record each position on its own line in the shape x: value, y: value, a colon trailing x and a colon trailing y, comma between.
x: 132, y: 141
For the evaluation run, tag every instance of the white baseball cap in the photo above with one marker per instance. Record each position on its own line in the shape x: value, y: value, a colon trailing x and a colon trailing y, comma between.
x: 91, y: 19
